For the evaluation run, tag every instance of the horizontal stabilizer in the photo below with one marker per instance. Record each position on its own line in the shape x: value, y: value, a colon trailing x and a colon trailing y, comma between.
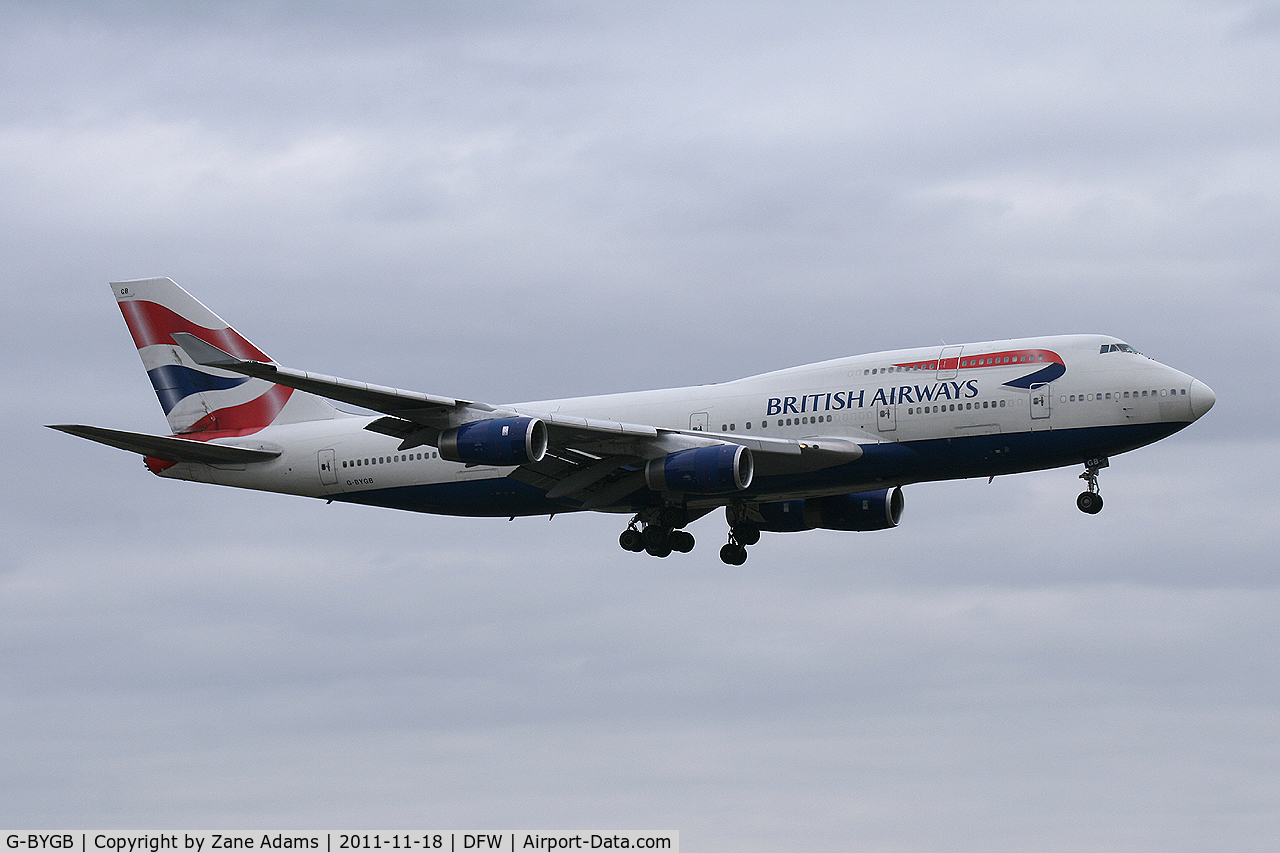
x: 168, y: 448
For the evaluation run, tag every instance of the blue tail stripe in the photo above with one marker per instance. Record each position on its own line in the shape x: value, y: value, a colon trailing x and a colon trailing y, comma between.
x: 174, y: 383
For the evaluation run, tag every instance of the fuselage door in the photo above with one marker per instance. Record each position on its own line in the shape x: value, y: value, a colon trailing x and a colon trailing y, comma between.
x: 887, y: 418
x: 328, y: 468
x: 1040, y: 397
x: 949, y: 362
x: 699, y: 421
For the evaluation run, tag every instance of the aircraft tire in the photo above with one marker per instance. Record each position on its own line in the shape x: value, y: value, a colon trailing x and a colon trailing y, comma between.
x: 1090, y: 502
x: 673, y: 516
x: 746, y: 534
x: 733, y: 555
x: 631, y: 540
x: 682, y: 541
x: 657, y: 536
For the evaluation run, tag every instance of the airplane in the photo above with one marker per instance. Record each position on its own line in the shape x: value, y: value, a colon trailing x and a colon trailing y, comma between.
x: 821, y: 446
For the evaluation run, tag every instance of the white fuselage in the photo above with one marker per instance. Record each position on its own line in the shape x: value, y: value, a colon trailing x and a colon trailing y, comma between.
x: 931, y: 413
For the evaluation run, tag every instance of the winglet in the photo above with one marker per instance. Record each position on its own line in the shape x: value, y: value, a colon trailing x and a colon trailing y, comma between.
x: 205, y: 353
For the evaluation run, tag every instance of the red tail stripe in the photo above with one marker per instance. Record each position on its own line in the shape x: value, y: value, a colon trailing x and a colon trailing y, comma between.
x: 246, y: 418
x: 151, y: 323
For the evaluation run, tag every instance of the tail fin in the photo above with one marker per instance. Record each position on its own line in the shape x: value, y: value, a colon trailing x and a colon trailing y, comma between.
x: 198, y: 399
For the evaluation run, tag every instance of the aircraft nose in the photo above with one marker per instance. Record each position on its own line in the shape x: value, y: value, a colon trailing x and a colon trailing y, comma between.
x: 1202, y: 398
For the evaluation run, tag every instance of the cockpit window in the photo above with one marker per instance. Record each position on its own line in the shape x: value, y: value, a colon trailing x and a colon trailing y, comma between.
x: 1118, y: 348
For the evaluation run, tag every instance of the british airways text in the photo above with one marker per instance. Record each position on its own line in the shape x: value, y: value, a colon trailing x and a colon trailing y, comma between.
x: 835, y: 401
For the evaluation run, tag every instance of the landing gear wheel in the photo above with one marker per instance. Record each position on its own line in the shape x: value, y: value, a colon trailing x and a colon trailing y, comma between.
x: 745, y: 534
x: 631, y: 540
x: 733, y: 554
x: 681, y: 541
x: 656, y: 537
x: 1090, y: 502
x: 673, y: 517
x: 658, y: 550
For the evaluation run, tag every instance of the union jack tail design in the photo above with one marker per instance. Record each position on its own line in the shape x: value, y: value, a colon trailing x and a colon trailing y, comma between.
x: 204, y: 402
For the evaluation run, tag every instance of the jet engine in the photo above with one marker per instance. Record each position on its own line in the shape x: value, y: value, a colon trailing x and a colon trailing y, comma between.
x: 877, y: 510
x: 499, y: 441
x: 702, y: 470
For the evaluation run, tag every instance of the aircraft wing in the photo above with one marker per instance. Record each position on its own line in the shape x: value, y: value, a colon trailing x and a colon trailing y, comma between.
x: 594, y: 460
x: 167, y: 447
x: 408, y: 405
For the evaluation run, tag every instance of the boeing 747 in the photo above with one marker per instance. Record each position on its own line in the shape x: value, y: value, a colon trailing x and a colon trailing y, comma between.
x: 827, y: 445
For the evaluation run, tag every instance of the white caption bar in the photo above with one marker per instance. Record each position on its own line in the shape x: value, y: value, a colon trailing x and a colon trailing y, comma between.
x: 416, y: 841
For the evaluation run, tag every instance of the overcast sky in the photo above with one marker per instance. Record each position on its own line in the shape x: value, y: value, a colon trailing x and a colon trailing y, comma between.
x: 522, y: 201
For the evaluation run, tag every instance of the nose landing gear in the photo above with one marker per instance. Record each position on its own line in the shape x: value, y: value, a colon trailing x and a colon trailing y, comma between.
x: 1090, y: 500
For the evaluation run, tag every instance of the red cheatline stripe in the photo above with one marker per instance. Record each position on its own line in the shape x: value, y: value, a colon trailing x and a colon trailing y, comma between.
x: 991, y: 359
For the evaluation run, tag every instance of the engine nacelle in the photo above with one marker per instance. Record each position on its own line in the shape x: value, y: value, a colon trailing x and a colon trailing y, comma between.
x: 702, y: 470
x: 500, y: 441
x: 861, y: 511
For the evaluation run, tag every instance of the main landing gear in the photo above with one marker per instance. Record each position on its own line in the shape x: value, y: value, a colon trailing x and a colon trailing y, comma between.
x: 660, y: 534
x: 1090, y: 500
x: 742, y: 533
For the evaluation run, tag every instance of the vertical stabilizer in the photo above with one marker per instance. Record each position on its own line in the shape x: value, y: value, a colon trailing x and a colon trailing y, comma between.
x: 198, y: 399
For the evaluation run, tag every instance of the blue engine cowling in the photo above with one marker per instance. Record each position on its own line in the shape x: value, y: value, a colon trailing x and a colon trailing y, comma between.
x: 878, y: 510
x: 702, y: 470
x: 500, y: 441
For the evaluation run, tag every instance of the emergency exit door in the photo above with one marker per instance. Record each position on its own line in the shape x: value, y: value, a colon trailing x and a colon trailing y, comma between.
x: 1040, y: 401
x: 328, y: 466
